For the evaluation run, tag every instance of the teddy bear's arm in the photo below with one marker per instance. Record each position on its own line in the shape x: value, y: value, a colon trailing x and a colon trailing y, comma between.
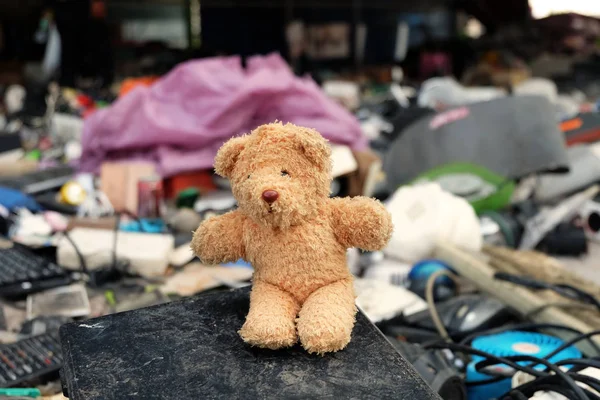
x: 220, y: 239
x: 361, y: 222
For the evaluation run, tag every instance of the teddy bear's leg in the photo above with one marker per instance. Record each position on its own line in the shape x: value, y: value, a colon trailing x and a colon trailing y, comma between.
x: 271, y: 321
x: 327, y: 317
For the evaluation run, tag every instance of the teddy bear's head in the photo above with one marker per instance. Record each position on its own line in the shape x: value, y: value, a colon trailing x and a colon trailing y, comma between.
x: 279, y: 174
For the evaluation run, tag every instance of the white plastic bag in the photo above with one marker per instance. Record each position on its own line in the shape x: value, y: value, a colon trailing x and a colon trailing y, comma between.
x: 425, y: 214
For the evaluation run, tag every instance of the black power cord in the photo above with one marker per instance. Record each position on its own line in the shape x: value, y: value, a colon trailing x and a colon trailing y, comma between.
x: 566, y: 382
x: 567, y: 291
x: 97, y: 277
x: 527, y: 327
x: 578, y: 364
x: 82, y: 263
x: 530, y: 327
x: 572, y: 388
x: 554, y: 367
x: 555, y: 383
x: 573, y: 341
x: 550, y: 383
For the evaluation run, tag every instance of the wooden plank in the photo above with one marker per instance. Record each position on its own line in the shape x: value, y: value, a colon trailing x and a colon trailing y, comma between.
x: 523, y: 300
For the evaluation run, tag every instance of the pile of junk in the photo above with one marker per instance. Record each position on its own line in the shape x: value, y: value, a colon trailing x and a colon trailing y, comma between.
x: 487, y: 286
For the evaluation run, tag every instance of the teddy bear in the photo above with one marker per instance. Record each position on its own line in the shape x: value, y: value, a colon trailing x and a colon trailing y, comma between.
x: 295, y: 236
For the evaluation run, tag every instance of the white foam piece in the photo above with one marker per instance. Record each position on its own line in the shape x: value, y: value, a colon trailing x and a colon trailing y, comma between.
x: 148, y: 254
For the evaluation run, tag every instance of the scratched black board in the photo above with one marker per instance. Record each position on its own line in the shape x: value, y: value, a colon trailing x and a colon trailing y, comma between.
x: 190, y: 349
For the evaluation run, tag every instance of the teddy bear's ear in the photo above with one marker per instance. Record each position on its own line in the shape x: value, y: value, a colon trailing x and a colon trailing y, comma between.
x: 316, y: 149
x: 228, y: 154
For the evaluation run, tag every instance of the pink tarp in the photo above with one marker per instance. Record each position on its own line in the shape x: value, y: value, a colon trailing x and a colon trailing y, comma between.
x: 180, y: 122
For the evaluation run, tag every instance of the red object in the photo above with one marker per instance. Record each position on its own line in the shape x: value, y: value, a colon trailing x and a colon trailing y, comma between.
x: 150, y: 198
x: 88, y: 111
x: 591, y: 136
x: 201, y: 180
x: 45, y: 144
x: 7, y: 361
x: 85, y: 101
x: 587, y: 108
x: 435, y: 63
x: 98, y: 9
x: 270, y: 196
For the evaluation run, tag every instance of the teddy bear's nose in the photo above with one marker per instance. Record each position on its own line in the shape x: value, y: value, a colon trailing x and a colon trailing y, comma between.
x: 270, y: 196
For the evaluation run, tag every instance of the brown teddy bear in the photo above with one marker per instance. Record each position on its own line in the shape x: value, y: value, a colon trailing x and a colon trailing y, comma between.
x: 294, y: 235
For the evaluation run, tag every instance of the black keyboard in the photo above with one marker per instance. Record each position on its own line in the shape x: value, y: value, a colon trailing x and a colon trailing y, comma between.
x: 40, y: 181
x: 23, y: 272
x: 9, y: 141
x: 29, y: 359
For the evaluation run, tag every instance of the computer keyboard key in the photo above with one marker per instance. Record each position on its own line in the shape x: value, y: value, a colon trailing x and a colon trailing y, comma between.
x: 33, y: 274
x: 22, y: 272
x: 28, y: 359
x: 21, y: 276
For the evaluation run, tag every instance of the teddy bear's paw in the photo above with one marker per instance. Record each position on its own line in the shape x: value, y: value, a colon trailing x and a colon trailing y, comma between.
x: 324, y: 338
x: 269, y: 333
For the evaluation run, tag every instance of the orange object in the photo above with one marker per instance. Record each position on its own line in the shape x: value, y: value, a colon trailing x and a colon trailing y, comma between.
x: 129, y: 84
x: 571, y: 124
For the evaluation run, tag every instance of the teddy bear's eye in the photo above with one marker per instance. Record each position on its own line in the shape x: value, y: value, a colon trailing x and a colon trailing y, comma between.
x: 284, y: 173
x: 249, y: 176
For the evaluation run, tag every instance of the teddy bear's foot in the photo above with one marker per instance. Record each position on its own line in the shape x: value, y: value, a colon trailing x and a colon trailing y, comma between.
x: 271, y: 320
x: 327, y: 317
x: 269, y: 333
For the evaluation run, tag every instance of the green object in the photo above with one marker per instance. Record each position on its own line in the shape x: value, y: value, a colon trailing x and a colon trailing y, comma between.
x: 507, y: 231
x: 102, y: 104
x: 18, y: 392
x: 495, y: 199
x: 34, y: 155
x: 110, y: 298
x: 150, y: 288
x: 187, y: 198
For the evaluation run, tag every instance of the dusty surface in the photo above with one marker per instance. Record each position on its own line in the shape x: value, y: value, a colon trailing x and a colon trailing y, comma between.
x: 191, y: 349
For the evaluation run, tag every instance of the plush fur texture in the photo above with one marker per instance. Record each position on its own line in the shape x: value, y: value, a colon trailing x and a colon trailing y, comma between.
x: 302, y: 288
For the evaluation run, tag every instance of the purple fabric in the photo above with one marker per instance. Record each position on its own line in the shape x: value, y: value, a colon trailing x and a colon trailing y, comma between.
x: 180, y: 122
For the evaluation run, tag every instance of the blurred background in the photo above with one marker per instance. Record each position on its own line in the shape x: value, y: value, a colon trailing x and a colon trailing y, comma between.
x: 112, y: 40
x: 476, y: 122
